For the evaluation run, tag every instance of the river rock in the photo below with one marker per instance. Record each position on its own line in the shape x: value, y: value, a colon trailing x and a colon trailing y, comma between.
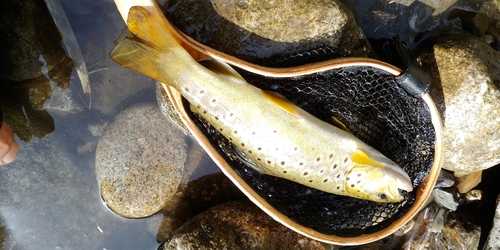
x: 465, y: 78
x: 140, y: 161
x: 237, y: 225
x: 261, y: 29
x: 194, y: 198
x: 29, y: 39
x: 493, y: 241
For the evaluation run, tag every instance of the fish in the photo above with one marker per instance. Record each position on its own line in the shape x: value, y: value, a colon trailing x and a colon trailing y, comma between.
x: 276, y: 136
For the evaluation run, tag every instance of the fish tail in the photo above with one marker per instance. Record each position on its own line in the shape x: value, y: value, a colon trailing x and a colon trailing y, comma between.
x: 152, y: 49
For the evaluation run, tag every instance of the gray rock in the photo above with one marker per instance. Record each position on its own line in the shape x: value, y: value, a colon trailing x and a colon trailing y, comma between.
x: 493, y: 241
x: 139, y: 162
x: 445, y: 199
x: 237, y: 225
x: 256, y: 30
x: 465, y: 74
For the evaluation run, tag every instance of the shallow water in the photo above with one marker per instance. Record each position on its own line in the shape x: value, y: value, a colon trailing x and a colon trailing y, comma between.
x: 49, y: 197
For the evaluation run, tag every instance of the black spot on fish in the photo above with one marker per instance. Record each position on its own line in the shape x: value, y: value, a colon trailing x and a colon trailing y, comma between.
x: 242, y: 144
x: 249, y: 151
x: 202, y: 92
x: 204, y: 112
x: 352, y: 185
x: 322, y: 170
x: 305, y: 173
x: 345, y: 160
x: 335, y: 166
x: 198, y: 106
x: 259, y: 148
x: 235, y: 132
x: 301, y: 163
x: 284, y: 171
x: 318, y: 159
x: 282, y: 163
x: 268, y: 162
x: 331, y: 156
x: 214, y: 101
x: 310, y: 180
x: 259, y: 159
x: 325, y: 180
x: 338, y: 176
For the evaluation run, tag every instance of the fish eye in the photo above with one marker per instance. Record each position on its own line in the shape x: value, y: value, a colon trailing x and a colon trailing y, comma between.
x: 382, y: 196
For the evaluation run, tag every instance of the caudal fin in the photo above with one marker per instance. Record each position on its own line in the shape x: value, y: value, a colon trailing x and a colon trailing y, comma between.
x: 150, y: 41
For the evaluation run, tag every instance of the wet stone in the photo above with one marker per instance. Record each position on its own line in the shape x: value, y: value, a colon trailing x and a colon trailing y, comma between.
x: 140, y: 161
x: 465, y: 77
x: 237, y: 225
x: 195, y: 197
x: 30, y: 39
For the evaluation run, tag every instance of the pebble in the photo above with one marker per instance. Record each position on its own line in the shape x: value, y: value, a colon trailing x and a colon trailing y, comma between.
x: 140, y: 162
x: 445, y: 199
x: 468, y: 182
x: 445, y: 179
x: 473, y: 196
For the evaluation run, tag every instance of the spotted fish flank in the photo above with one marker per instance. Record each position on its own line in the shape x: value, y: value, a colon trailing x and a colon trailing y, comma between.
x: 277, y: 137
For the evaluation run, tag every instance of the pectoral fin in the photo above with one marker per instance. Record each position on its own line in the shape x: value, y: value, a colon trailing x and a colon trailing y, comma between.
x: 280, y: 101
x: 361, y: 157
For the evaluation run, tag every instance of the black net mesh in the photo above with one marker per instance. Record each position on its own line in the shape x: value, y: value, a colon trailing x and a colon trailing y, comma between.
x: 376, y: 110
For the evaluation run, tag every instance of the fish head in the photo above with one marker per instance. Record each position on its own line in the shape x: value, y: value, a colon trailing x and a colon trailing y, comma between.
x: 379, y: 181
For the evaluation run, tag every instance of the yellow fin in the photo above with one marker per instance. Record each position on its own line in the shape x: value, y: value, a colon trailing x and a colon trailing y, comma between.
x: 280, y: 101
x: 362, y: 158
x: 337, y: 123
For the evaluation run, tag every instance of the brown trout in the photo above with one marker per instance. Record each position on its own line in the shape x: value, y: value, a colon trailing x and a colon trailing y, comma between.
x: 275, y: 135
